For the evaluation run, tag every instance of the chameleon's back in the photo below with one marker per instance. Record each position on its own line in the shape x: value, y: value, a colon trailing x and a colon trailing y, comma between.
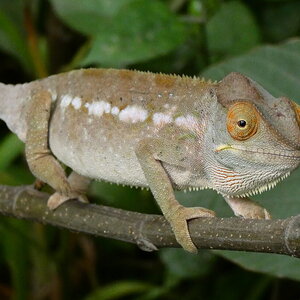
x: 101, y: 115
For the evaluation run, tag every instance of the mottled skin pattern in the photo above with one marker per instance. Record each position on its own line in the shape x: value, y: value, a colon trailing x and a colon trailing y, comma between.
x: 159, y: 131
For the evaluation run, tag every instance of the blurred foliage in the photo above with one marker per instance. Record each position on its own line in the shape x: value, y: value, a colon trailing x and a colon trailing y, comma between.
x: 208, y: 37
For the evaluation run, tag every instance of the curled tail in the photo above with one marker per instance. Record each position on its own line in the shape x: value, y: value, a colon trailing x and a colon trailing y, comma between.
x: 12, y: 107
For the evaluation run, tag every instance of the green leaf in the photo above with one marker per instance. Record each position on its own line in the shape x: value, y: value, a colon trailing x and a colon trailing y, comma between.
x: 118, y: 290
x: 88, y: 17
x: 15, y: 251
x: 273, y: 264
x: 232, y: 30
x: 124, y: 197
x: 12, y: 39
x: 276, y: 68
x: 10, y: 148
x: 275, y: 23
x: 185, y: 265
x: 141, y: 30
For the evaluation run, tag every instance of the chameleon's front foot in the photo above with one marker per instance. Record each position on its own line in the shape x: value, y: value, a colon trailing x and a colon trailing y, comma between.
x: 178, y: 220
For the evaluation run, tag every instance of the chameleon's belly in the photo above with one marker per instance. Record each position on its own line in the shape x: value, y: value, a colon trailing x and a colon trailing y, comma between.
x: 98, y: 148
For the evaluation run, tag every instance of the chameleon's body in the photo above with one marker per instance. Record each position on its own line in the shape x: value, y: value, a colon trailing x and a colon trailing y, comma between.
x: 157, y: 131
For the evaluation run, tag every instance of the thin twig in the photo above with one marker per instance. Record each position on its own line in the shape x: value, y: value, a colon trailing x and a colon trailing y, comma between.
x: 151, y: 232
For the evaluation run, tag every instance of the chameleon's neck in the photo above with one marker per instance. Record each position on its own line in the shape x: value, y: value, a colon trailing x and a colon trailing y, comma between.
x: 12, y: 107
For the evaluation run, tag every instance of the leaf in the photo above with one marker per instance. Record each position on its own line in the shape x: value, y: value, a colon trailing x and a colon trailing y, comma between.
x: 122, y: 32
x: 124, y: 197
x: 232, y: 30
x: 10, y: 148
x: 12, y: 39
x: 277, y: 68
x: 15, y: 252
x: 275, y: 23
x: 118, y: 290
x: 88, y: 17
x: 153, y: 31
x: 186, y: 265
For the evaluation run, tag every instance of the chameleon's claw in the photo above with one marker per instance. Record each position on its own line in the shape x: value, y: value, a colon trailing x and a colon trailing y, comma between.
x: 58, y: 199
x: 179, y: 224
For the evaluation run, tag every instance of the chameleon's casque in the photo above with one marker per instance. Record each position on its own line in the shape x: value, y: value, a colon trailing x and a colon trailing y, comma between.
x: 159, y: 131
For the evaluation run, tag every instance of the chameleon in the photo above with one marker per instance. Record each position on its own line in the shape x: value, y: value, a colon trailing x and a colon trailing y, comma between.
x: 163, y: 132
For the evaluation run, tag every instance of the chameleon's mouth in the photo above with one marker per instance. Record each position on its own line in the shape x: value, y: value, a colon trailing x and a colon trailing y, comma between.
x: 290, y: 154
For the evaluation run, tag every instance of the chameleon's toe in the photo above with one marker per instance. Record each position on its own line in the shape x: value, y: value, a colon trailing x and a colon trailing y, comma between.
x: 179, y: 224
x: 58, y: 199
x: 259, y: 213
x: 256, y: 212
x: 267, y: 215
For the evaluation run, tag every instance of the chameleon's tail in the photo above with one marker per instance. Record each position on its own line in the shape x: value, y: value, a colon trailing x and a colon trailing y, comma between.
x: 12, y: 108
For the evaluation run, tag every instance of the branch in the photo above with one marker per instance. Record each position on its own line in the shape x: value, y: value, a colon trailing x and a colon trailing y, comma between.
x: 151, y: 232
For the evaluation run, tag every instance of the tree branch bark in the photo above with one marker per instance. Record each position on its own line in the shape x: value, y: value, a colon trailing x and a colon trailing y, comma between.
x: 151, y: 232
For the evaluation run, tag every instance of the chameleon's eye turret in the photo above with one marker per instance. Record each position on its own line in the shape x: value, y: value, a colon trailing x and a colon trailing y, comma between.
x: 242, y: 121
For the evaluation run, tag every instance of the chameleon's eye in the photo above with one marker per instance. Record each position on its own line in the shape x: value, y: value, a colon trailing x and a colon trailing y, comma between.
x: 242, y: 120
x: 242, y: 123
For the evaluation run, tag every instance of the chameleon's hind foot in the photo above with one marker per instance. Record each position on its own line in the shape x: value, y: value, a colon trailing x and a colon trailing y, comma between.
x: 78, y: 186
x: 58, y: 199
x: 247, y: 208
x: 178, y: 221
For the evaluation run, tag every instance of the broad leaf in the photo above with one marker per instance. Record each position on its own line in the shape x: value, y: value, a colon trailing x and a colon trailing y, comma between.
x: 141, y: 30
x: 88, y: 17
x: 231, y: 31
x: 12, y: 36
x: 185, y: 265
x: 119, y: 289
x: 122, y: 32
x: 10, y: 148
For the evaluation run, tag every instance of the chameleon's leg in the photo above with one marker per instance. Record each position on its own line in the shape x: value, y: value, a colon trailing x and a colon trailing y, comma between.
x: 40, y: 160
x: 247, y: 208
x: 79, y: 185
x: 161, y: 187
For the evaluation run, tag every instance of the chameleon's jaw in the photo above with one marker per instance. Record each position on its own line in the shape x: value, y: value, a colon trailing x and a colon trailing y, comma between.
x: 245, y: 171
x: 288, y: 154
x: 234, y: 183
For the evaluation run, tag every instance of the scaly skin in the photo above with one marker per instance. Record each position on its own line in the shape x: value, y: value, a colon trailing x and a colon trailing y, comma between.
x: 159, y: 131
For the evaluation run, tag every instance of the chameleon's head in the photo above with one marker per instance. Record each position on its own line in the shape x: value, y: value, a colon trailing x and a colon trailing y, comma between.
x: 255, y: 137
